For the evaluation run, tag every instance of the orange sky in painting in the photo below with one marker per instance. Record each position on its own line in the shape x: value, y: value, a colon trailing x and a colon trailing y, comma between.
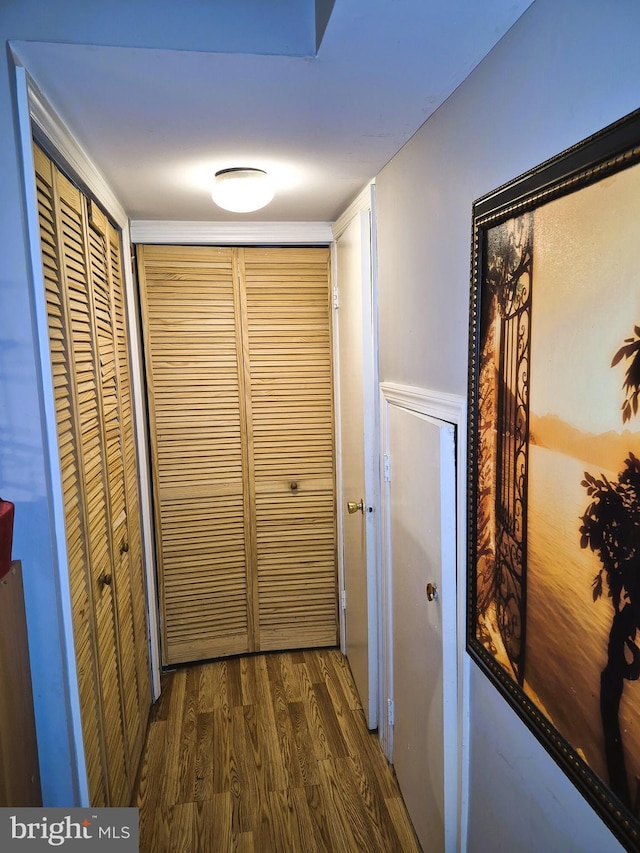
x: 586, y: 301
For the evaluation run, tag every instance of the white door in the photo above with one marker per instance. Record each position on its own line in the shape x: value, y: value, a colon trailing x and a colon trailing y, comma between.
x: 356, y: 380
x: 422, y: 528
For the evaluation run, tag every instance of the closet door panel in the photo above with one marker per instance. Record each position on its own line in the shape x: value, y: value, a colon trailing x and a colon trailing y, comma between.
x: 80, y: 307
x: 76, y: 537
x: 130, y: 539
x: 238, y: 352
x: 85, y: 304
x: 114, y: 469
x: 189, y: 299
x: 290, y: 385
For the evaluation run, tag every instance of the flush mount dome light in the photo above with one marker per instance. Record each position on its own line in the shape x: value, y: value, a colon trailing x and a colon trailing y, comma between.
x: 242, y: 189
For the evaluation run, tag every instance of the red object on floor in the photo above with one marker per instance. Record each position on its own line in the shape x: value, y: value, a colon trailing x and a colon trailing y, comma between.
x: 6, y: 535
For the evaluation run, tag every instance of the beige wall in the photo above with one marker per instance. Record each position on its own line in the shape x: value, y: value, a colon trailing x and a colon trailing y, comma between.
x: 565, y: 70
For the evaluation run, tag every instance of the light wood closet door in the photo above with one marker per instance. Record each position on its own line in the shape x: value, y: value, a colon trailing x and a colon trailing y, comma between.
x: 190, y: 299
x: 240, y: 396
x: 65, y: 389
x: 81, y: 259
x: 290, y: 389
x: 105, y: 278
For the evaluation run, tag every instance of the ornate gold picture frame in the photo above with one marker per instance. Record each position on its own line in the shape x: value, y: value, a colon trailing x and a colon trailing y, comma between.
x: 554, y: 461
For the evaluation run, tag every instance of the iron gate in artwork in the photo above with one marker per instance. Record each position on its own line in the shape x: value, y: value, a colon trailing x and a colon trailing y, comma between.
x: 512, y: 436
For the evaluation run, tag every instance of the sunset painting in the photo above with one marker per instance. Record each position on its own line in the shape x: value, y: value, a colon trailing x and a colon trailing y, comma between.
x: 556, y: 461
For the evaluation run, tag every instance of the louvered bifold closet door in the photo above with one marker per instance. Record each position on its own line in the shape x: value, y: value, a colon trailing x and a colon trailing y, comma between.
x: 103, y: 310
x: 238, y: 351
x: 289, y: 357
x: 190, y: 298
x: 72, y: 479
x: 81, y: 310
x: 90, y: 362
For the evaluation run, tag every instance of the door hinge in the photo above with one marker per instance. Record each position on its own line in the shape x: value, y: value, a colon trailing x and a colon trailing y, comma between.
x: 335, y: 296
x: 387, y: 468
x: 390, y: 712
x: 343, y: 599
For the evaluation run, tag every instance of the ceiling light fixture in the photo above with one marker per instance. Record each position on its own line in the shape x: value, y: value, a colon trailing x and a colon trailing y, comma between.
x: 242, y: 189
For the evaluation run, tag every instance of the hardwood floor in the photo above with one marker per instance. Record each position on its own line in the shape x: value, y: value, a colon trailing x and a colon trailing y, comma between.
x: 267, y: 753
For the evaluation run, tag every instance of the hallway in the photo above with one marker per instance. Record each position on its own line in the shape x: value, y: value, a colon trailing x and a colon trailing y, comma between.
x: 267, y: 753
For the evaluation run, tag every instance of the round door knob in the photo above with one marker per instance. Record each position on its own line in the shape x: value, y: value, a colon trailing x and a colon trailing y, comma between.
x: 104, y: 580
x: 432, y: 591
x: 352, y: 506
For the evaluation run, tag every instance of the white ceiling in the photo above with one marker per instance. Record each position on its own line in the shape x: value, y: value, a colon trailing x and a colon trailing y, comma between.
x: 158, y: 123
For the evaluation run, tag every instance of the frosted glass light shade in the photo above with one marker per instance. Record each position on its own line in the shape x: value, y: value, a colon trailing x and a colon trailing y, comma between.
x: 242, y: 190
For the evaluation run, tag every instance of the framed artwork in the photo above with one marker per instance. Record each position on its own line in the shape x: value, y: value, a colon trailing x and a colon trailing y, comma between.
x: 553, y: 612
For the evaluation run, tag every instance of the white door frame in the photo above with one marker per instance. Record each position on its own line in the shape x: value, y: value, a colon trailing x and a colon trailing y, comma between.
x: 452, y: 409
x: 364, y: 207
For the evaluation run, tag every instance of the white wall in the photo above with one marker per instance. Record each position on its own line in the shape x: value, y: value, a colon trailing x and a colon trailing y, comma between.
x: 566, y: 69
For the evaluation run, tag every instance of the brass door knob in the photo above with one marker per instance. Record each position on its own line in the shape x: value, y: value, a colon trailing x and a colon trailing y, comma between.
x: 432, y: 591
x: 352, y: 506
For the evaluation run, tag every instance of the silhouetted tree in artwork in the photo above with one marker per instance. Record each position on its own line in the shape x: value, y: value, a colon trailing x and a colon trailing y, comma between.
x: 630, y: 351
x: 611, y: 528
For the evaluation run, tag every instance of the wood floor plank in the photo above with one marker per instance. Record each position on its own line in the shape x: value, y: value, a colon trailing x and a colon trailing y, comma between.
x: 182, y: 828
x: 208, y: 689
x: 312, y: 665
x: 212, y: 824
x: 186, y: 771
x: 363, y: 744
x: 312, y: 712
x: 160, y: 710
x: 341, y: 814
x: 267, y: 754
x: 293, y: 777
x: 324, y: 829
x: 305, y: 825
x: 248, y: 680
x: 360, y: 787
x: 148, y: 792
x: 205, y: 762
x: 243, y: 783
x: 277, y: 776
x: 403, y: 826
x: 292, y: 827
x: 330, y: 721
x: 343, y: 676
x: 234, y: 684
x: 242, y: 842
x: 290, y: 678
x: 220, y: 750
x: 159, y: 839
x: 304, y: 753
x: 170, y: 781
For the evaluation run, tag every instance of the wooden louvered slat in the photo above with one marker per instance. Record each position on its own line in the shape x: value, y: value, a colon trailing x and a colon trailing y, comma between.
x: 79, y: 573
x: 189, y: 318
x: 289, y: 342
